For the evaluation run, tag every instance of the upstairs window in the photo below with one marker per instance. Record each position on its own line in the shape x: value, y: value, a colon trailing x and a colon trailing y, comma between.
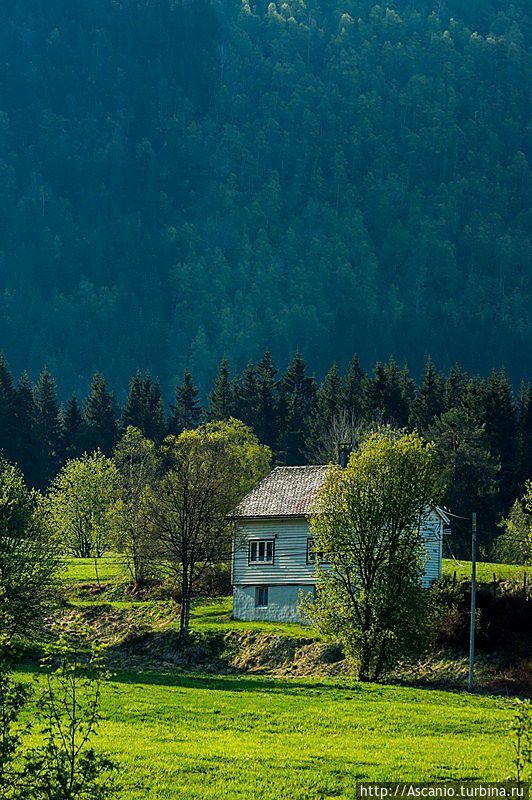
x: 311, y: 552
x: 261, y: 551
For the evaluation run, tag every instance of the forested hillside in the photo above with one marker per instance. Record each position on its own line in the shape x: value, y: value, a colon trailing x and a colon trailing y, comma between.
x: 183, y: 180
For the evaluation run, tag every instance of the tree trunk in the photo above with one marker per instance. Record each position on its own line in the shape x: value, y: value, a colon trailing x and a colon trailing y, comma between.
x: 365, y: 660
x: 184, y: 618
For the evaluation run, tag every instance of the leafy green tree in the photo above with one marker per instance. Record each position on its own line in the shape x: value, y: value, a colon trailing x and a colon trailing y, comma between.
x: 100, y: 417
x: 514, y: 545
x: 206, y: 472
x: 135, y: 459
x: 29, y: 558
x: 366, y: 527
x: 79, y: 502
x: 67, y: 766
x: 47, y: 426
x: 186, y: 412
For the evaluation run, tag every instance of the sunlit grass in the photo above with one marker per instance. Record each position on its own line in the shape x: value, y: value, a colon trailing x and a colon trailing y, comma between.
x: 485, y: 570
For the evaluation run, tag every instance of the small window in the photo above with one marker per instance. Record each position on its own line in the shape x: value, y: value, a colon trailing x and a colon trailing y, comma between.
x: 261, y: 551
x: 261, y: 596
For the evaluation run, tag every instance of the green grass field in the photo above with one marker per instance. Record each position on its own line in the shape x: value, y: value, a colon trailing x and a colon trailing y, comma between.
x: 111, y: 567
x: 485, y: 570
x: 196, y: 737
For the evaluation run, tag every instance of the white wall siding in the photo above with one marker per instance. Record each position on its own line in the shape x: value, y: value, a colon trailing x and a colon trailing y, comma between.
x: 282, y: 604
x: 432, y: 531
x: 290, y: 557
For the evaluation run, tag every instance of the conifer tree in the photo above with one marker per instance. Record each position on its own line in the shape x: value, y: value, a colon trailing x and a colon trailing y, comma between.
x: 74, y: 432
x: 26, y: 443
x: 7, y: 412
x: 524, y: 472
x: 355, y: 389
x: 428, y: 401
x: 297, y: 396
x: 247, y: 397
x: 47, y: 429
x: 267, y: 428
x: 454, y: 388
x: 389, y: 393
x: 328, y: 408
x: 501, y: 433
x: 185, y: 414
x: 222, y: 397
x: 100, y: 417
x: 143, y: 408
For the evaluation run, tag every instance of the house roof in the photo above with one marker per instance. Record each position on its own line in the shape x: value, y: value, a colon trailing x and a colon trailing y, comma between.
x: 289, y: 492
x: 285, y: 492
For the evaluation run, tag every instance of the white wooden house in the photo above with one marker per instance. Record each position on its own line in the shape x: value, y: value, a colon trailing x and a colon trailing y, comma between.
x: 272, y: 548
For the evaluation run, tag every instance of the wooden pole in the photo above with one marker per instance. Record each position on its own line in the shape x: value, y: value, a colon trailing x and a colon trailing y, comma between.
x: 473, y: 601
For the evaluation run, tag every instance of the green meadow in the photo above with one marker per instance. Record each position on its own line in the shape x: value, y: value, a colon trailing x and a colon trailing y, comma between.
x: 192, y: 737
x: 180, y: 736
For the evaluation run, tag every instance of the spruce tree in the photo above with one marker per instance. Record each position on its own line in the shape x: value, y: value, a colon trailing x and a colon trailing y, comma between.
x: 185, y: 414
x: 8, y: 444
x: 355, y: 390
x: 74, y: 431
x: 47, y: 429
x: 501, y: 433
x: 454, y: 388
x: 100, y: 417
x: 389, y: 394
x: 25, y: 429
x: 143, y: 408
x: 428, y: 401
x: 297, y: 393
x: 267, y: 423
x: 247, y: 397
x: 327, y: 419
x: 222, y: 397
x: 524, y: 462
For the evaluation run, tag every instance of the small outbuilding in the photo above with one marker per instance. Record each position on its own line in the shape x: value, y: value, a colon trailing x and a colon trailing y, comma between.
x: 273, y: 554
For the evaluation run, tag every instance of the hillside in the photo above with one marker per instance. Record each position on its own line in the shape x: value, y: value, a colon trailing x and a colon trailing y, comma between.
x: 187, y: 179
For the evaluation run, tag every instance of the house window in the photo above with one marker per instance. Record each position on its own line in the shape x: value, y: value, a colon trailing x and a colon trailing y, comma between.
x: 311, y: 552
x: 261, y: 596
x: 261, y: 551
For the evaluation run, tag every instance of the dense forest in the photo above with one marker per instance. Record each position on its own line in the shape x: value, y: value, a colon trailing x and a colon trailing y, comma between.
x: 482, y: 431
x: 184, y: 180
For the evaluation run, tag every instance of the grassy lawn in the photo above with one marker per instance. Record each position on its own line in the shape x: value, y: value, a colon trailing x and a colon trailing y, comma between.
x: 191, y: 737
x: 111, y: 567
x: 485, y: 570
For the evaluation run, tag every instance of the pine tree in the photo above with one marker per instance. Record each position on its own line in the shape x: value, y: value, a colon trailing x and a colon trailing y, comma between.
x: 100, y: 417
x: 8, y: 444
x: 222, y: 397
x: 267, y: 423
x: 328, y: 410
x: 428, y: 401
x: 47, y: 429
x: 143, y: 408
x: 74, y: 431
x: 185, y: 414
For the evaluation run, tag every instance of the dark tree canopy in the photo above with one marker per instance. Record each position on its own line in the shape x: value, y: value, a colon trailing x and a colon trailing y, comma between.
x: 183, y: 180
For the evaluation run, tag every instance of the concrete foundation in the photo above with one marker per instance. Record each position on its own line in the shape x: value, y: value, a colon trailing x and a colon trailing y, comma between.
x: 282, y: 603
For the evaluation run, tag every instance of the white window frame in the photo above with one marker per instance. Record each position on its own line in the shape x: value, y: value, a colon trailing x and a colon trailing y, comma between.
x: 256, y: 544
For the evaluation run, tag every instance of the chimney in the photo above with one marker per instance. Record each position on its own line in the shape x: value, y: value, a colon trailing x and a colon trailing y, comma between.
x: 344, y: 448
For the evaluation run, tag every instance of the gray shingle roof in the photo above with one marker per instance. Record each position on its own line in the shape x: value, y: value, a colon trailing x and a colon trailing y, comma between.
x: 287, y: 491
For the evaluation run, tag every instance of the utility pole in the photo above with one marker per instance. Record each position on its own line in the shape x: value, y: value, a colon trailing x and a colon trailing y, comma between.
x: 473, y: 600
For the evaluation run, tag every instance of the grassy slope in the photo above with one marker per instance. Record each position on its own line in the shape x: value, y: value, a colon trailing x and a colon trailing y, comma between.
x: 485, y: 570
